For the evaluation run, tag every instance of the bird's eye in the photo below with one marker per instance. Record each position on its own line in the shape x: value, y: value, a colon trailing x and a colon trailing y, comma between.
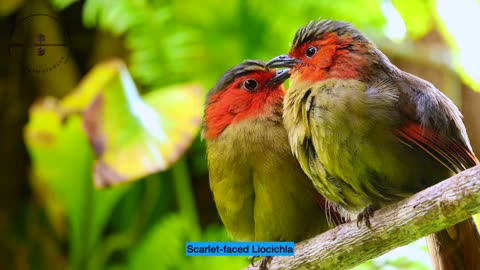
x: 250, y: 85
x: 311, y: 51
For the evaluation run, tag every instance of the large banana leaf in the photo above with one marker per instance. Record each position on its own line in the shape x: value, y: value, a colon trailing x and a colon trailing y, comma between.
x: 104, y: 131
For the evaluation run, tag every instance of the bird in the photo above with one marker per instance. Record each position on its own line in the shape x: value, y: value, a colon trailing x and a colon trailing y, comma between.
x: 368, y: 134
x: 260, y: 190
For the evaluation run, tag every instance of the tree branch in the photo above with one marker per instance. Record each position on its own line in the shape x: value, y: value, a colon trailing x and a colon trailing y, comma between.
x: 431, y: 210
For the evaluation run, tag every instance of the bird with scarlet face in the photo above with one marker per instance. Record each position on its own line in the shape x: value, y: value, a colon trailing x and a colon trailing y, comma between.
x: 368, y: 134
x: 260, y: 191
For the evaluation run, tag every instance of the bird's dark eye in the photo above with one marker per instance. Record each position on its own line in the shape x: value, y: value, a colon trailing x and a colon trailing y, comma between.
x: 311, y: 51
x: 250, y: 85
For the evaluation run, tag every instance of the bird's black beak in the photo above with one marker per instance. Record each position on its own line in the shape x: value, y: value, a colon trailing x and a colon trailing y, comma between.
x: 282, y: 61
x: 281, y: 76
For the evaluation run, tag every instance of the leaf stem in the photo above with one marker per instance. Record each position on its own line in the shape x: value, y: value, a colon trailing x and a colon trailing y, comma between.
x: 124, y: 240
x: 185, y: 197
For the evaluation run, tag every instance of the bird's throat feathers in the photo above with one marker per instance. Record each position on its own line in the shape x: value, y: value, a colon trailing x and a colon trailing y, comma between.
x: 234, y: 105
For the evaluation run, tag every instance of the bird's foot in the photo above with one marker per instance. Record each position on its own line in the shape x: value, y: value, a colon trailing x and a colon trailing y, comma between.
x: 366, y: 214
x: 263, y: 264
x: 252, y: 260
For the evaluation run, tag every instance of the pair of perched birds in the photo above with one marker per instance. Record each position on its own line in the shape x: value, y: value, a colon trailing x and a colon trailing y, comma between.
x: 352, y: 134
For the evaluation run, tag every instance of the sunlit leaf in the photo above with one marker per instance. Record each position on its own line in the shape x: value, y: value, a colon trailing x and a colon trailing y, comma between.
x: 91, y: 86
x: 133, y: 136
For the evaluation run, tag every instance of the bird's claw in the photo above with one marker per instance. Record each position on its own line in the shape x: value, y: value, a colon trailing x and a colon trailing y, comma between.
x: 264, y: 262
x: 252, y: 260
x: 366, y: 214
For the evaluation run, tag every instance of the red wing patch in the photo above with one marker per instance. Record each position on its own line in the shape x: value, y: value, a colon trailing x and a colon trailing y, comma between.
x: 452, y: 154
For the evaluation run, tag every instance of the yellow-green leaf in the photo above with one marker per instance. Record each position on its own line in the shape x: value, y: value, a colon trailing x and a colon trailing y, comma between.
x: 130, y: 135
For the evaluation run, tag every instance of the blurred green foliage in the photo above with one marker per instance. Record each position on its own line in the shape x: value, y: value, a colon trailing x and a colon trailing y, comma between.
x: 123, y: 147
x: 170, y: 42
x: 60, y: 176
x: 417, y: 15
x: 144, y: 224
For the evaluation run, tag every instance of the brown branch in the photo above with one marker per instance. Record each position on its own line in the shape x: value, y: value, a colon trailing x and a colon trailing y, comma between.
x: 431, y: 210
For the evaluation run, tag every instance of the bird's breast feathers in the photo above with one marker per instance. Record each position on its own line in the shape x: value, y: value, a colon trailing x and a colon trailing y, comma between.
x: 335, y: 127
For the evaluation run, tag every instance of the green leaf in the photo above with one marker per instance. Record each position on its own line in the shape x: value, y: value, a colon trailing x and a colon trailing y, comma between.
x: 131, y: 137
x: 164, y: 248
x: 62, y: 161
